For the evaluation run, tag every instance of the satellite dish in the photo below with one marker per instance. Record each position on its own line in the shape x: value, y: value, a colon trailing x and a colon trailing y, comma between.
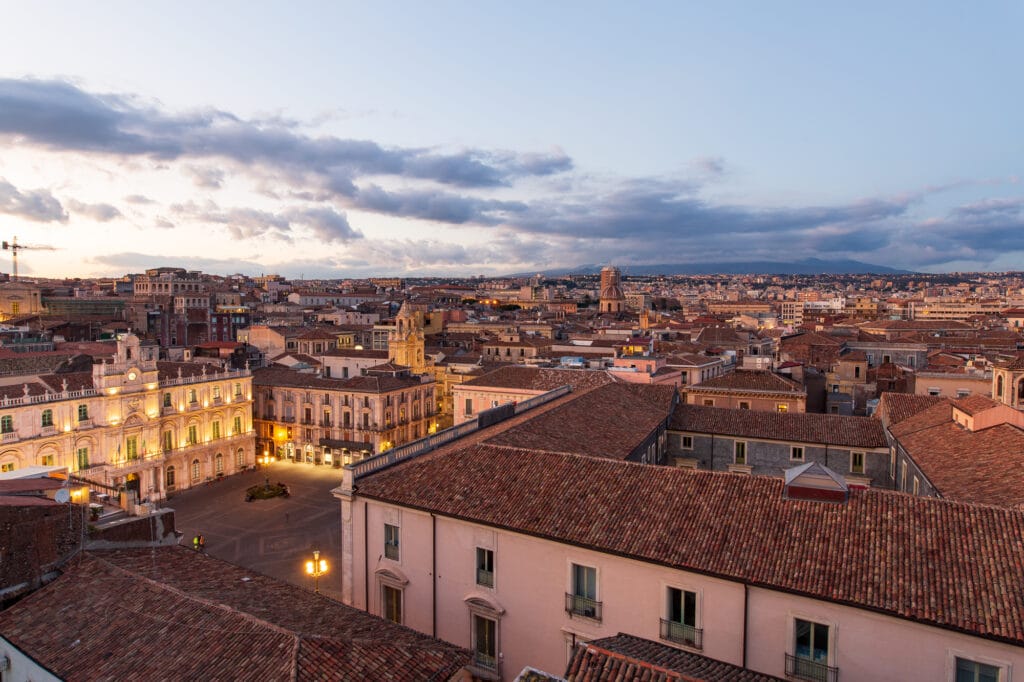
x: 63, y: 496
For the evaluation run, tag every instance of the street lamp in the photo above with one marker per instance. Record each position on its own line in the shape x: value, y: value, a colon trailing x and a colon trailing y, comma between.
x: 265, y: 460
x: 316, y: 568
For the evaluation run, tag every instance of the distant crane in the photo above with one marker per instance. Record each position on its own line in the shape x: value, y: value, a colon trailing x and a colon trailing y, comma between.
x: 14, y: 247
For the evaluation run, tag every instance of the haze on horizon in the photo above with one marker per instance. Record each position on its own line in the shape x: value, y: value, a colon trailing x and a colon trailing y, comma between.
x: 451, y: 139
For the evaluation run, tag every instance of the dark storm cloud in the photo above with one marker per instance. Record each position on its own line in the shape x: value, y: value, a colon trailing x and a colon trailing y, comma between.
x: 61, y: 116
x: 978, y: 231
x: 38, y: 205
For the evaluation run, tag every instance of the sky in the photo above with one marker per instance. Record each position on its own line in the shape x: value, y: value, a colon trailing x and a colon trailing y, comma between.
x: 341, y: 139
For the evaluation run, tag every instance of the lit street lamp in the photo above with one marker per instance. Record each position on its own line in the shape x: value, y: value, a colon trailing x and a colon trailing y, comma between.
x: 265, y: 460
x: 316, y: 568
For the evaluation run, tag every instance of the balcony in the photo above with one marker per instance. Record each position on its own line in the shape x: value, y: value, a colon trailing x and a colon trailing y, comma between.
x: 308, y: 422
x: 806, y: 669
x: 485, y: 578
x: 328, y: 423
x: 84, y: 424
x: 9, y: 437
x: 575, y: 605
x: 49, y: 430
x: 687, y: 635
x: 391, y: 550
x: 288, y: 420
x: 487, y: 662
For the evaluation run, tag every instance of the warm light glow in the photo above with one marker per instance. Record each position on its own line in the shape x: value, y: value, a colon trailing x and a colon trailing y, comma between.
x: 112, y: 391
x: 67, y: 427
x: 151, y: 387
x: 206, y: 403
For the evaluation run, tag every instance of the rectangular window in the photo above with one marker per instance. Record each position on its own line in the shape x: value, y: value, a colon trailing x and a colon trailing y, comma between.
x: 740, y: 453
x: 686, y: 442
x: 46, y: 460
x: 7, y: 424
x: 484, y: 567
x: 708, y: 402
x: 917, y: 486
x: 972, y: 671
x: 856, y: 462
x: 7, y: 466
x: 391, y: 598
x: 192, y: 396
x: 216, y: 392
x: 236, y: 426
x: 810, y: 651
x: 582, y: 601
x: 469, y: 406
x: 782, y: 407
x: 903, y: 476
x: 485, y: 650
x: 796, y: 453
x: 83, y: 413
x: 932, y: 391
x: 83, y: 458
x: 238, y: 390
x: 168, y: 442
x: 132, y: 447
x: 193, y: 434
x: 47, y: 419
x: 391, y: 542
x: 680, y: 624
x: 215, y: 428
x: 167, y: 403
x: 744, y: 405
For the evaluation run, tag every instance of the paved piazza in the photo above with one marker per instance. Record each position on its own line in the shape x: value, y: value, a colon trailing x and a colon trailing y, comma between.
x: 274, y: 536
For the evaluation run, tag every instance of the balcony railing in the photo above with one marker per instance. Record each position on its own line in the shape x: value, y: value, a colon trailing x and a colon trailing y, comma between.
x: 679, y: 633
x: 10, y: 437
x: 485, y: 578
x: 575, y: 605
x: 806, y: 669
x: 326, y: 422
x: 482, y: 660
x: 49, y: 430
x: 289, y: 420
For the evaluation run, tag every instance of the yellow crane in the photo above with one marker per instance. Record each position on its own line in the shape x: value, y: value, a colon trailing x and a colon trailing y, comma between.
x: 14, y: 247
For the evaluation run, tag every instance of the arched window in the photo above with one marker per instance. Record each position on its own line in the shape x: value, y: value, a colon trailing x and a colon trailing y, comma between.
x: 169, y: 477
x: 1020, y: 391
x: 218, y: 464
x: 195, y: 470
x: 999, y: 386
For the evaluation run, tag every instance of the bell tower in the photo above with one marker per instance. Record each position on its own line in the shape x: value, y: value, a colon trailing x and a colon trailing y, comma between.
x: 1008, y: 382
x: 406, y: 340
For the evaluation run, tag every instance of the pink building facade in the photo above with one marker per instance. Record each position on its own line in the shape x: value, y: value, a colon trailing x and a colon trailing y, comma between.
x: 518, y: 598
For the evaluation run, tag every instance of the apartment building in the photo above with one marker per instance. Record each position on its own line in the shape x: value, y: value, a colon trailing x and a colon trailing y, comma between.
x: 520, y: 555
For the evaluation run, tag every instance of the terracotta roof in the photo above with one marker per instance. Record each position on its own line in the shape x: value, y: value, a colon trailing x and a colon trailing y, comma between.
x: 169, y: 370
x: 750, y: 380
x: 541, y: 379
x: 626, y: 657
x: 353, y: 353
x: 973, y: 404
x: 893, y: 408
x: 617, y: 419
x: 277, y: 376
x: 173, y: 613
x: 827, y: 429
x: 1017, y: 362
x: 897, y: 554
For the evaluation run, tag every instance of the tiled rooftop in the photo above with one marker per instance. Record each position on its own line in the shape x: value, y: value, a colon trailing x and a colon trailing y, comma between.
x: 617, y: 418
x: 750, y: 380
x: 541, y: 379
x: 171, y: 613
x: 893, y: 408
x: 828, y: 429
x: 893, y: 553
x: 274, y: 376
x: 625, y: 657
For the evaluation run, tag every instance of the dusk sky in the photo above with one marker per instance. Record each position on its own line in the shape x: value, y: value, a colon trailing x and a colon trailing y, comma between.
x: 458, y: 138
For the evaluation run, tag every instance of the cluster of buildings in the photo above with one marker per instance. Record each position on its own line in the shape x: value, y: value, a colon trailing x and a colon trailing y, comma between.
x: 598, y: 477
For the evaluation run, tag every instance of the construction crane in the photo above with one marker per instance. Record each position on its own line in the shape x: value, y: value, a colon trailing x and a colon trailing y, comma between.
x: 14, y: 247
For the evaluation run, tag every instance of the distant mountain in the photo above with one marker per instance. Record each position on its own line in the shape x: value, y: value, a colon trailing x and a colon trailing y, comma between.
x: 810, y: 266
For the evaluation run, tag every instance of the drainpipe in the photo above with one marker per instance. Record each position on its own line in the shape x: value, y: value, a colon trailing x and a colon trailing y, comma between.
x: 366, y: 562
x: 746, y: 602
x: 712, y: 452
x: 433, y: 574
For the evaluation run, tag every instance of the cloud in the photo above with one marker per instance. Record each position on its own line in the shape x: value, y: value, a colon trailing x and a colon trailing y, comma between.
x: 58, y: 115
x: 99, y: 212
x: 138, y: 199
x: 131, y: 261
x: 205, y: 176
x: 38, y: 205
x: 323, y: 222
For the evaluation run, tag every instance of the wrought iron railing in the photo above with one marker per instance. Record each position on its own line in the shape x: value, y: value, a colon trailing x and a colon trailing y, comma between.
x: 681, y: 633
x: 484, y: 577
x: 807, y: 669
x: 576, y: 605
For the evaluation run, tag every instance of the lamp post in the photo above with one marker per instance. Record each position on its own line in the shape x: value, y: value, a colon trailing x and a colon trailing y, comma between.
x: 316, y: 568
x: 266, y: 470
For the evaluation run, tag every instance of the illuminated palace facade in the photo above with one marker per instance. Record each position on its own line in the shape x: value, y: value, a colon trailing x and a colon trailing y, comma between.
x: 134, y: 422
